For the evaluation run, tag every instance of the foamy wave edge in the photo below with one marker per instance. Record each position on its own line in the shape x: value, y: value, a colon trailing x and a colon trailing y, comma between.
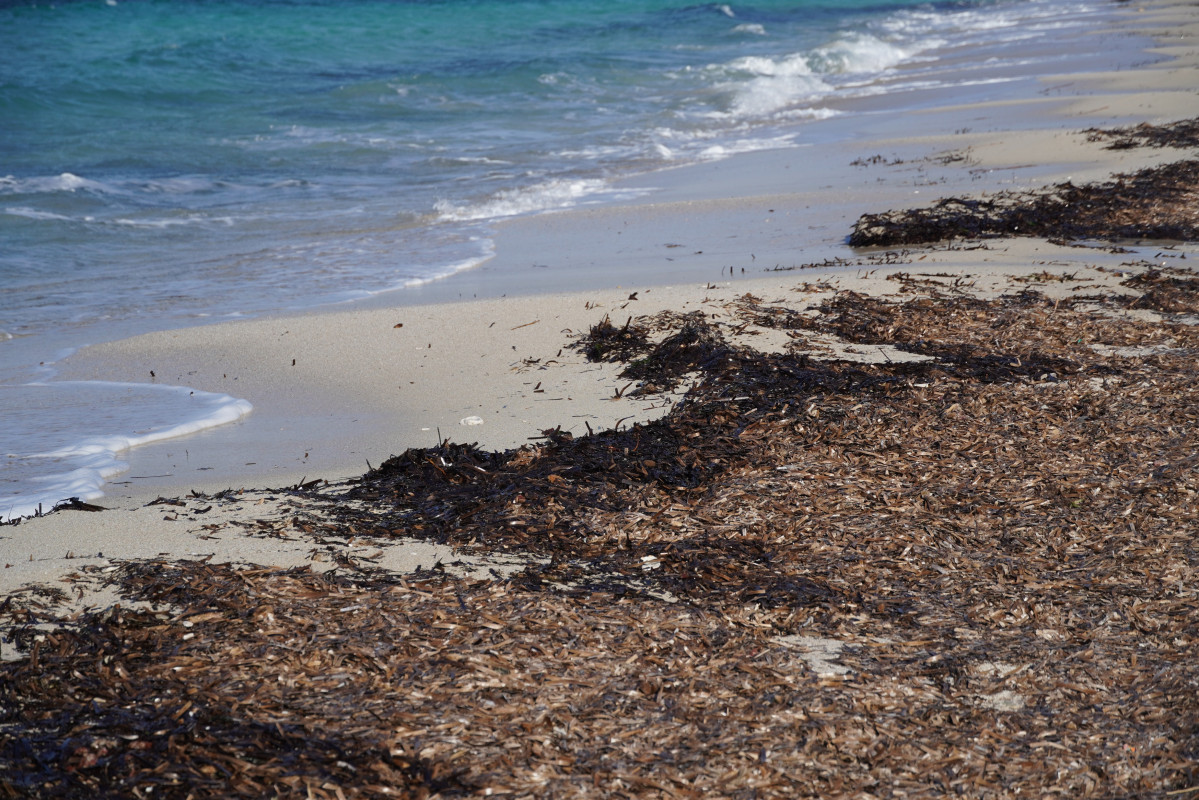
x: 97, y: 457
x: 547, y: 196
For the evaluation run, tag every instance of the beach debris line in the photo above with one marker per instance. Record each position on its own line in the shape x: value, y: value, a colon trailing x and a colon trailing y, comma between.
x: 1154, y: 203
x: 1168, y: 290
x: 970, y: 575
x: 811, y: 578
x: 1181, y: 134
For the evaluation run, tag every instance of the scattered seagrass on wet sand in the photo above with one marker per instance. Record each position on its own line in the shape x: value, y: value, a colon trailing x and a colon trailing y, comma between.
x: 971, y: 572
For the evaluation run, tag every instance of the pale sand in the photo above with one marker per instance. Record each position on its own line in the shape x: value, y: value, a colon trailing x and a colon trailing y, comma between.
x: 333, y: 391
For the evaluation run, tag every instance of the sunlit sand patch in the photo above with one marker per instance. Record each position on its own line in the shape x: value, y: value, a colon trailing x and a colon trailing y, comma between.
x: 820, y: 653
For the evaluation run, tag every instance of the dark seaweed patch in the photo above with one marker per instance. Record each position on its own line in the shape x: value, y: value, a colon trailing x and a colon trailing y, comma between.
x: 1154, y: 203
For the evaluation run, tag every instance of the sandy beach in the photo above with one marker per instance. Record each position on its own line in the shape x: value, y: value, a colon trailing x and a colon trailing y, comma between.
x: 498, y: 358
x: 336, y: 391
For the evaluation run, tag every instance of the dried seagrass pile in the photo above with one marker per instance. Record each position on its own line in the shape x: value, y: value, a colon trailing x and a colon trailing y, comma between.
x: 1183, y: 133
x: 1156, y: 203
x: 972, y: 574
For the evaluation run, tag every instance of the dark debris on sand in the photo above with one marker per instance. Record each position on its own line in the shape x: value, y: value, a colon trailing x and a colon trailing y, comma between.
x: 656, y: 366
x: 971, y: 574
x: 1181, y: 134
x: 1154, y: 203
x: 1170, y: 291
x: 998, y: 543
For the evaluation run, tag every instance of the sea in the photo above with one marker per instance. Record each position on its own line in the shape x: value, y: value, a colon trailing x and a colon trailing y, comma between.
x: 166, y: 163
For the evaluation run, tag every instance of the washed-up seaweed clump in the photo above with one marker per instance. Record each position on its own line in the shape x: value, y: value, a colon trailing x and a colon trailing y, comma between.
x: 970, y: 575
x: 658, y: 352
x: 608, y: 342
x: 1175, y: 292
x: 1181, y: 134
x: 1154, y: 203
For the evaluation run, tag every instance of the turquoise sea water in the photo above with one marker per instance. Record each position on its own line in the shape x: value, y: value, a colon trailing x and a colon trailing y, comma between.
x: 165, y: 161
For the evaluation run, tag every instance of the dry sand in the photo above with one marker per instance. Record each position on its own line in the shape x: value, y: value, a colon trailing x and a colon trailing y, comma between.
x: 337, y: 390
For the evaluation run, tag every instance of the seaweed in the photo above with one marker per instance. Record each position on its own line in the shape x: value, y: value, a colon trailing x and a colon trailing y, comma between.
x: 1154, y: 203
x: 1183, y: 133
x: 810, y: 578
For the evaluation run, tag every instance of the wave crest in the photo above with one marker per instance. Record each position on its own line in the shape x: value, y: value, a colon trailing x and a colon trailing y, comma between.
x: 547, y: 196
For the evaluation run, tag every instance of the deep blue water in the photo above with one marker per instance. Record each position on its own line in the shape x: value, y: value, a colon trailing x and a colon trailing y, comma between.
x: 163, y: 161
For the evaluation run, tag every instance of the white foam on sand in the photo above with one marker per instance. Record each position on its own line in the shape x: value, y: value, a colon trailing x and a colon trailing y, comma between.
x: 126, y: 415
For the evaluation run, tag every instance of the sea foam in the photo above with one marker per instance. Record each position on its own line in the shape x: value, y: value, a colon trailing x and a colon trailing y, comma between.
x: 133, y: 414
x: 45, y: 184
x: 546, y: 196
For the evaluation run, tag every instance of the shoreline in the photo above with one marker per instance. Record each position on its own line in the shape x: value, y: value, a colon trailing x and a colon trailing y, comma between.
x: 938, y: 534
x: 538, y: 381
x: 415, y: 381
x: 689, y: 224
